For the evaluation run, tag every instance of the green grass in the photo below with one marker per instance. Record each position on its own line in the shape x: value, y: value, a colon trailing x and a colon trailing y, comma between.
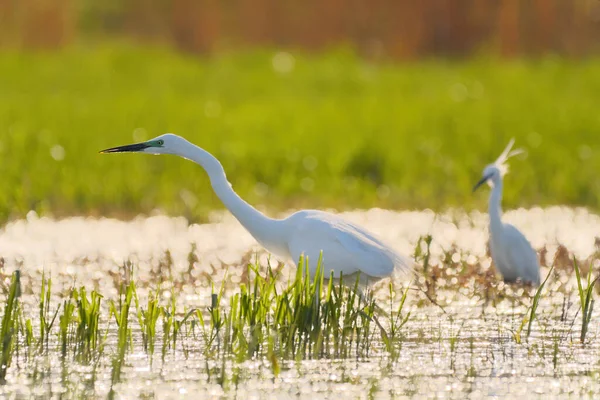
x: 147, y: 319
x: 586, y: 298
x: 124, y: 341
x: 531, y: 313
x: 536, y: 302
x: 9, y: 325
x: 310, y: 318
x: 335, y: 132
x: 279, y: 321
x: 46, y: 318
x: 88, y: 311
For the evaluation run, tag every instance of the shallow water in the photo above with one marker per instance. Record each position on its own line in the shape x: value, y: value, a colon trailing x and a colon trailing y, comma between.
x: 60, y: 246
x: 468, y: 350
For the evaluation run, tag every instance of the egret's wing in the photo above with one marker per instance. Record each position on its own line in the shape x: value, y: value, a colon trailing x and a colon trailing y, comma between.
x: 379, y: 257
x: 335, y: 256
x: 521, y: 254
x: 346, y: 247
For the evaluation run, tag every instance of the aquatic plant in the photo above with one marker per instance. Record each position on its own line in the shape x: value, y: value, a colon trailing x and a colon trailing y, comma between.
x: 397, y: 320
x: 64, y: 323
x: 88, y: 318
x: 586, y: 301
x: 275, y: 323
x: 9, y: 325
x: 46, y: 320
x: 120, y: 312
x: 147, y: 319
x: 535, y: 302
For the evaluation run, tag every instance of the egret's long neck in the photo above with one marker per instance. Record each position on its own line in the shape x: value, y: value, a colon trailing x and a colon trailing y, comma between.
x: 495, y: 206
x: 266, y: 231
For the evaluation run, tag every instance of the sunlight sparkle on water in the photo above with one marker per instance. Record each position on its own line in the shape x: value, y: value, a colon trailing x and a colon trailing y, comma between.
x: 469, y: 350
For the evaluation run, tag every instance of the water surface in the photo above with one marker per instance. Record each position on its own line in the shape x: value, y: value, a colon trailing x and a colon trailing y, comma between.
x: 466, y: 351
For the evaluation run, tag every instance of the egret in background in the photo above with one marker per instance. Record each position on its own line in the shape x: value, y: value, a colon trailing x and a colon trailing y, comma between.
x: 512, y: 253
x: 346, y: 247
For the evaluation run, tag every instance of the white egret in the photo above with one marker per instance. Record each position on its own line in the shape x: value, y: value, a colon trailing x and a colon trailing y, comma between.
x: 511, y: 251
x: 346, y: 247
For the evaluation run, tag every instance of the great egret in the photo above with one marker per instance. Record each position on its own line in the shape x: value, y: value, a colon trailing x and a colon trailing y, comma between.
x: 511, y: 252
x: 346, y: 247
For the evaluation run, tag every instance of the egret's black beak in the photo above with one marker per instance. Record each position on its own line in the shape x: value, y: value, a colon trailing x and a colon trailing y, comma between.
x: 128, y: 148
x: 481, y: 182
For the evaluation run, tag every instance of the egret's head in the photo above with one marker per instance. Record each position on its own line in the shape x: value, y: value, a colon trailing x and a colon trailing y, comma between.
x: 163, y: 144
x: 493, y: 172
x: 491, y: 175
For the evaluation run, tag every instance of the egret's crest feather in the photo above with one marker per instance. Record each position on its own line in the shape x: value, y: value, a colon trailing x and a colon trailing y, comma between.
x: 500, y: 162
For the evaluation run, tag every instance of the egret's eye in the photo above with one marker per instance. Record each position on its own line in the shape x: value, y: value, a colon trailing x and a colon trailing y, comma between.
x: 161, y: 142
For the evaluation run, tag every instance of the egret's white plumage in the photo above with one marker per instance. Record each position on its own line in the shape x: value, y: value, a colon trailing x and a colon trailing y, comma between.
x: 346, y: 247
x: 511, y: 251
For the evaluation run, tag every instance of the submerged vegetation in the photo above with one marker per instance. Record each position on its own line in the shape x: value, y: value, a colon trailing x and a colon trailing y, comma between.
x: 308, y: 318
x: 585, y: 297
x: 279, y: 322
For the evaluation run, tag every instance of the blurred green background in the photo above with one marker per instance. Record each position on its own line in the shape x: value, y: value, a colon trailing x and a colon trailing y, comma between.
x: 335, y: 118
